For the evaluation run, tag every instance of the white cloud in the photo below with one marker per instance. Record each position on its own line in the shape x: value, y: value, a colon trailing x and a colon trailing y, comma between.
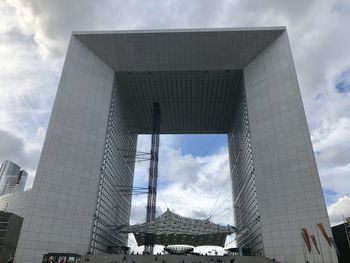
x: 24, y: 154
x: 340, y: 210
x: 197, y: 187
x: 331, y: 142
x: 329, y: 134
x: 336, y: 179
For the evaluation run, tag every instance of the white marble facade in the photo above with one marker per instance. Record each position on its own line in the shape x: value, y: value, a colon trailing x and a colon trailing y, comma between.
x: 59, y: 210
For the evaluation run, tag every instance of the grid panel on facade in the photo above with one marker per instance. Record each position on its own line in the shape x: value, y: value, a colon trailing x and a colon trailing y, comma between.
x: 245, y: 203
x: 191, y: 101
x: 113, y: 205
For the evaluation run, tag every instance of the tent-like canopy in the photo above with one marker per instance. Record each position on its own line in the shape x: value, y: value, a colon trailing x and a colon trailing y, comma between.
x: 170, y: 229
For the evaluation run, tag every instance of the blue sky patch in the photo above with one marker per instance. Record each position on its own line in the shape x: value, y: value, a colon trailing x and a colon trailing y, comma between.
x: 343, y: 86
x: 201, y: 144
x: 330, y: 196
x: 341, y: 8
x: 343, y: 82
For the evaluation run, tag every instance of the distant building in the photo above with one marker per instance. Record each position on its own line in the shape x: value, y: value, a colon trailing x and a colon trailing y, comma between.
x: 10, y: 228
x: 341, y: 234
x: 12, y: 178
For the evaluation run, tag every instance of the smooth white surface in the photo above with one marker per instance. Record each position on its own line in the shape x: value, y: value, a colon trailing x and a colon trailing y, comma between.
x: 287, y: 181
x: 179, y: 50
x: 59, y: 211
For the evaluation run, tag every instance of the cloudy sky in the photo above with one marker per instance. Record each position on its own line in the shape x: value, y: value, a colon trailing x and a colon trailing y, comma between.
x: 34, y: 35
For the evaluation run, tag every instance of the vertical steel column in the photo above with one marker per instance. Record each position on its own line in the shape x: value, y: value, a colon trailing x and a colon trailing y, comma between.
x: 153, y: 175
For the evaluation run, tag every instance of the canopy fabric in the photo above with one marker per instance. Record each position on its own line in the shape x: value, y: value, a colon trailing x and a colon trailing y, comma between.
x: 178, y: 250
x: 170, y: 229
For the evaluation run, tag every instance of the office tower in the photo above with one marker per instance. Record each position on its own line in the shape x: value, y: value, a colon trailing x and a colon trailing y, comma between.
x: 341, y: 234
x: 10, y: 228
x: 12, y: 178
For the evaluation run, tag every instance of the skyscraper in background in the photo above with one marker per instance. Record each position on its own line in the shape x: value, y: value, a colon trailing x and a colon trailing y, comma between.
x: 12, y: 178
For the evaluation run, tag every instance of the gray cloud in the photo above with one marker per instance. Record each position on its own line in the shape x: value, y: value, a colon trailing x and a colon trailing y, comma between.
x: 138, y: 210
x: 339, y: 210
x: 200, y: 214
x: 13, y: 148
x: 334, y: 156
x: 336, y: 179
x: 51, y: 22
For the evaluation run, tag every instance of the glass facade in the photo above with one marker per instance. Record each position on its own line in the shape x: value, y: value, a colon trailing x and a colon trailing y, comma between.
x: 12, y: 178
x: 245, y: 203
x: 117, y: 171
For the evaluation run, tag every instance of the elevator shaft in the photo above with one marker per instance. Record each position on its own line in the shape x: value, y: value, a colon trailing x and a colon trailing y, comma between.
x: 153, y: 175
